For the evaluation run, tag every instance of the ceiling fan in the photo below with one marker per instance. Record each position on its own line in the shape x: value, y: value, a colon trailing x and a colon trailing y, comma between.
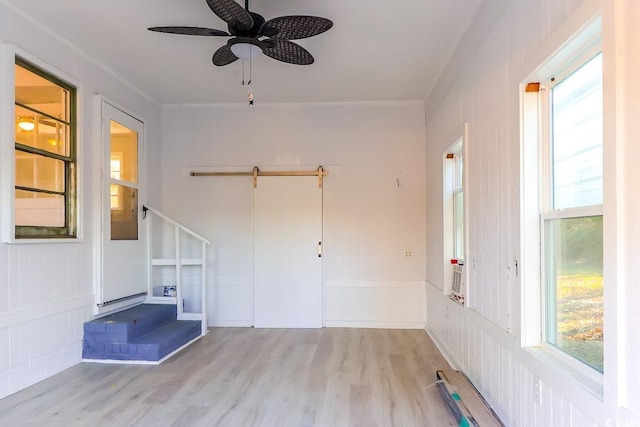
x: 250, y: 32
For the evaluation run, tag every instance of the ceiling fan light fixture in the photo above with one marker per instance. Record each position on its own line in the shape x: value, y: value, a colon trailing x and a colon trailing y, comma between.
x: 245, y: 50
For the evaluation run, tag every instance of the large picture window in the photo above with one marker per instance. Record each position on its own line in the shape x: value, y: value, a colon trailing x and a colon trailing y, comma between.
x: 45, y: 156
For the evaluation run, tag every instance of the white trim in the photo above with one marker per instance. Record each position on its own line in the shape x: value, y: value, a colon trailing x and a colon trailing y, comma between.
x: 400, y: 284
x: 231, y: 323
x: 8, y: 54
x: 585, y: 20
x: 442, y: 348
x: 374, y: 324
x: 106, y: 108
x: 8, y: 320
x: 572, y: 213
x: 578, y: 39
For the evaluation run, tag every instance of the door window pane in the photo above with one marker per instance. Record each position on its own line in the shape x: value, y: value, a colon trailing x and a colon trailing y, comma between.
x: 124, y: 218
x: 575, y: 287
x: 124, y: 153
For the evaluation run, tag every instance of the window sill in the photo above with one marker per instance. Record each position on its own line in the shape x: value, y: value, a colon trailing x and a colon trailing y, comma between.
x: 43, y: 240
x: 588, y: 378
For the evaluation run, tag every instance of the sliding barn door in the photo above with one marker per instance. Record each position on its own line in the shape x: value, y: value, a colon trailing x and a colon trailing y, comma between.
x: 287, y: 261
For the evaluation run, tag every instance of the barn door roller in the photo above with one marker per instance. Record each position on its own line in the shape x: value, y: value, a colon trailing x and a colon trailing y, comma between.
x: 256, y: 172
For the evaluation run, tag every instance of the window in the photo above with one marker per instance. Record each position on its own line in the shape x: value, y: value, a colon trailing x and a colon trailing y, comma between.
x: 571, y: 213
x: 454, y: 220
x: 458, y: 203
x: 562, y: 187
x: 45, y: 133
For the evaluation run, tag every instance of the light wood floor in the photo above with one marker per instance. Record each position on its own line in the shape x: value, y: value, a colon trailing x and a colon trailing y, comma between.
x: 257, y: 377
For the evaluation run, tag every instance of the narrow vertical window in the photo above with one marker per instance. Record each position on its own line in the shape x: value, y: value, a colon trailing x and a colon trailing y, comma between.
x: 454, y: 222
x: 45, y: 154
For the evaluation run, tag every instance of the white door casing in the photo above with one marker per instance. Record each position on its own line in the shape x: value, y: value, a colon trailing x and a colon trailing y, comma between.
x: 123, y: 268
x: 287, y: 262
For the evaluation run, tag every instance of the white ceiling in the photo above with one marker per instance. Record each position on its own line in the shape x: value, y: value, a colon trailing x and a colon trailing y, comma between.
x: 377, y: 50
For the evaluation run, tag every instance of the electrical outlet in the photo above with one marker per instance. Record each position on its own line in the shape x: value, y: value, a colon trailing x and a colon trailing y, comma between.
x: 407, y: 253
x: 537, y: 390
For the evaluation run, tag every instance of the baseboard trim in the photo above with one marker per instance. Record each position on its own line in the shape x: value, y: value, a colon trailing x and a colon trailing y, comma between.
x: 230, y: 324
x: 443, y: 350
x: 373, y: 324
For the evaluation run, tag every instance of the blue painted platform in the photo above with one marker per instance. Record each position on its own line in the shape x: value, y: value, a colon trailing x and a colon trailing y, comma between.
x: 147, y: 332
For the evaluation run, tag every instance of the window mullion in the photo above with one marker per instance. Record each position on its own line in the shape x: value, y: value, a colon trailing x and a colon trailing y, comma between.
x: 42, y: 113
x: 41, y: 152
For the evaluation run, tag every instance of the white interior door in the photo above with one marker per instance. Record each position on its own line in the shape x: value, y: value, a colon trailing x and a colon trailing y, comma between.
x: 287, y: 265
x: 123, y: 251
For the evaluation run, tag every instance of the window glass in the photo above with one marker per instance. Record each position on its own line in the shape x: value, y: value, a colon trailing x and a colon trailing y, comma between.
x: 124, y: 219
x: 575, y: 287
x: 577, y: 137
x: 39, y: 172
x: 39, y: 209
x: 458, y: 224
x: 124, y: 153
x: 573, y: 250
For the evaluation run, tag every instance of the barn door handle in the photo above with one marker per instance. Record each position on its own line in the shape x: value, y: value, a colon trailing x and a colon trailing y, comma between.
x: 319, y: 249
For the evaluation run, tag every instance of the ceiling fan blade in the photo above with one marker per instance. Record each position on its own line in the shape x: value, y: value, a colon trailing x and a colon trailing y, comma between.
x: 223, y: 56
x: 295, y: 27
x: 286, y: 51
x: 189, y: 31
x: 231, y: 13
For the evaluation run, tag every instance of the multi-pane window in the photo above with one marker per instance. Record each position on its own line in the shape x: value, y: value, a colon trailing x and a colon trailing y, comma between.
x: 571, y: 213
x: 45, y: 122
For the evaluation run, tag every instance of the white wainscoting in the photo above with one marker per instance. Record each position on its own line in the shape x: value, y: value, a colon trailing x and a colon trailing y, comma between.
x: 503, y: 372
x: 230, y: 302
x: 41, y: 342
x: 375, y: 304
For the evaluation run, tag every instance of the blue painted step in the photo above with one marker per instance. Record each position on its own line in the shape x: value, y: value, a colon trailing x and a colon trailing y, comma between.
x: 129, y: 324
x: 146, y: 332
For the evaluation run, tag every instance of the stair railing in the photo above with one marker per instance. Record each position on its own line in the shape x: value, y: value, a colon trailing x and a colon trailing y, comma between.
x: 179, y: 262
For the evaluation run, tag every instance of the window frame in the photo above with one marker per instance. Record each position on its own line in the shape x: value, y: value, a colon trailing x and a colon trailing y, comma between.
x: 10, y: 56
x: 536, y: 194
x: 548, y: 212
x: 455, y: 181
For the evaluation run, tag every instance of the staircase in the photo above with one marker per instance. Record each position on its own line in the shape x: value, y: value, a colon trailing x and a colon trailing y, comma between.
x: 147, y: 333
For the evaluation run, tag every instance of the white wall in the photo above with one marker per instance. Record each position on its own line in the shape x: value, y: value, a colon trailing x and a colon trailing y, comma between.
x: 374, y: 200
x: 481, y: 87
x: 47, y: 290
